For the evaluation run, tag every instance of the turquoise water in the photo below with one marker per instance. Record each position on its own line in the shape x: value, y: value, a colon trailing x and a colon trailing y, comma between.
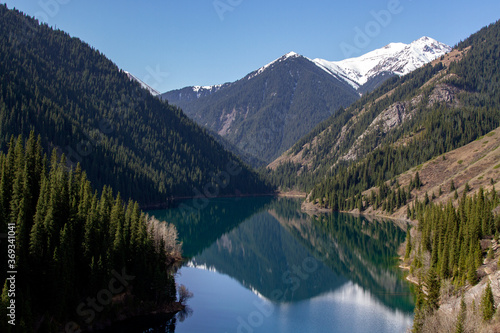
x: 261, y: 265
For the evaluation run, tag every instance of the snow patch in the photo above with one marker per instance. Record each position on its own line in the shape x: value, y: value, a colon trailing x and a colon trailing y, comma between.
x: 398, y: 58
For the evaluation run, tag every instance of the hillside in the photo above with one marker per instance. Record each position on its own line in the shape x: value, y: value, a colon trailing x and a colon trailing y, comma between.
x: 268, y: 110
x: 475, y: 165
x: 69, y: 242
x: 403, y: 123
x: 82, y: 104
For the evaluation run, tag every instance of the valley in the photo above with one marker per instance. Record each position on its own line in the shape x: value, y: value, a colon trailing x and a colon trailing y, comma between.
x: 308, y: 194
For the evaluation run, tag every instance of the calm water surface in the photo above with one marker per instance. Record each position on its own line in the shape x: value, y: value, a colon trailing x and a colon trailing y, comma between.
x: 261, y: 265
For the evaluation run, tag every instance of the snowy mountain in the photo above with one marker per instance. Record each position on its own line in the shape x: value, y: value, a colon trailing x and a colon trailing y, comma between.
x: 377, y: 65
x: 272, y: 63
x: 151, y: 90
x: 268, y: 110
x: 394, y: 58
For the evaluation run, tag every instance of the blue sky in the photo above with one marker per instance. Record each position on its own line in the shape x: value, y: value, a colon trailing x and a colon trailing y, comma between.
x: 171, y: 44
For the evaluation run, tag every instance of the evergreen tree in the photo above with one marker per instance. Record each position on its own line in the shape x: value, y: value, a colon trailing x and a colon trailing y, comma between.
x: 487, y: 303
x: 433, y: 289
x: 69, y: 240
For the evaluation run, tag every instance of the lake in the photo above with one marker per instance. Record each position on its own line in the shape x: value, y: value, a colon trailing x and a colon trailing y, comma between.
x: 262, y: 265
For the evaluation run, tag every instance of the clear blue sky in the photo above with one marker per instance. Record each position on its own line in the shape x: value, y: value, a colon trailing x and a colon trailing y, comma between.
x: 171, y: 44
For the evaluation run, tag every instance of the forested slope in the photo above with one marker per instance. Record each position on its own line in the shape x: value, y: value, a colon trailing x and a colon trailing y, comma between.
x: 66, y: 242
x: 405, y: 122
x: 87, y: 108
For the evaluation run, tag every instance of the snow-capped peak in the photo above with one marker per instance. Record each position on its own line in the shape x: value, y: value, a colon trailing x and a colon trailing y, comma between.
x: 283, y: 58
x: 397, y: 58
x: 291, y: 55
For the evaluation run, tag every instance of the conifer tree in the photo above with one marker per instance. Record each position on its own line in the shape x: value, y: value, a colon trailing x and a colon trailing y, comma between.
x: 433, y: 289
x: 64, y: 241
x: 487, y: 303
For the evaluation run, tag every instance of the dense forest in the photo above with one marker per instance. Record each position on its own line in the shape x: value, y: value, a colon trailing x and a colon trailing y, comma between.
x: 71, y: 241
x: 433, y: 129
x: 447, y: 249
x: 84, y: 106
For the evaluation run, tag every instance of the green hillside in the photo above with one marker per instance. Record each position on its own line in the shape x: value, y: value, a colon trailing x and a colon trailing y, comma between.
x: 83, y: 105
x: 403, y: 123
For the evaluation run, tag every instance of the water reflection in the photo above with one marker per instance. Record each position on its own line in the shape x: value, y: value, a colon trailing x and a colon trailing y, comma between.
x: 333, y: 271
x: 283, y: 249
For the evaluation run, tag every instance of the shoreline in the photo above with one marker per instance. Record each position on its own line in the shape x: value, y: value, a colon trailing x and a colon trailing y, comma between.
x: 128, y: 315
x: 171, y: 200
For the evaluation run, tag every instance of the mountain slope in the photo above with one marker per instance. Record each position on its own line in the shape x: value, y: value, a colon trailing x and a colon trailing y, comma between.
x: 405, y: 122
x: 84, y: 106
x: 267, y: 111
x: 476, y: 165
x: 144, y: 85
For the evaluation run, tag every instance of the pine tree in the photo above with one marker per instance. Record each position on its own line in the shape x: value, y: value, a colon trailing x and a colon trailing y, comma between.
x: 426, y: 199
x: 417, y: 182
x: 471, y: 269
x: 63, y: 230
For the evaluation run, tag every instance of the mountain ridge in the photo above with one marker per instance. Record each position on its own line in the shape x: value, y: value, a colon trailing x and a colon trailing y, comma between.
x: 430, y: 50
x: 269, y: 109
x: 85, y: 107
x: 395, y: 58
x: 265, y: 112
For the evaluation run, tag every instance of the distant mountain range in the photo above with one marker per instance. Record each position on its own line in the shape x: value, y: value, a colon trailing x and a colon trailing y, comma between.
x: 267, y: 111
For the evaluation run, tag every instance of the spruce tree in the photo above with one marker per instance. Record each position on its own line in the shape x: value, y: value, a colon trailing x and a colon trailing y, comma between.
x: 433, y: 289
x: 487, y: 303
x: 471, y: 269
